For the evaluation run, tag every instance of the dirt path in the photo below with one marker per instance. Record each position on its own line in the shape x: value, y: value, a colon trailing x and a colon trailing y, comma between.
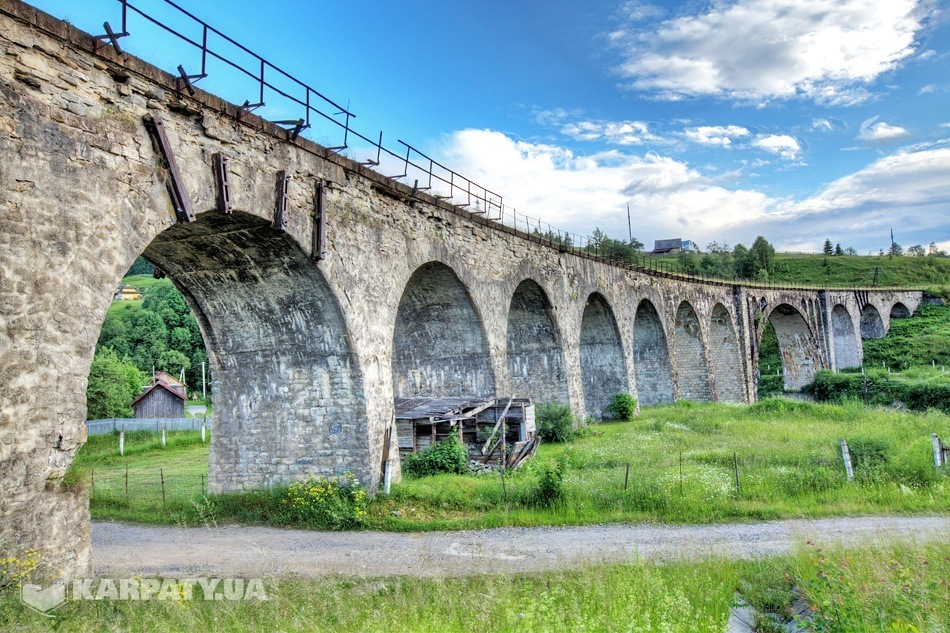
x: 259, y: 551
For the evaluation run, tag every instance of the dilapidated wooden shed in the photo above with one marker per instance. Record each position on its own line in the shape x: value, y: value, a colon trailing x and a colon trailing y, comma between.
x: 489, y: 427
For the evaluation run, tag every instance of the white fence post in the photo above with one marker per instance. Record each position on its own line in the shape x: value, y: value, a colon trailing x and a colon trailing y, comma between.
x: 938, y: 454
x: 846, y: 455
x: 122, y: 441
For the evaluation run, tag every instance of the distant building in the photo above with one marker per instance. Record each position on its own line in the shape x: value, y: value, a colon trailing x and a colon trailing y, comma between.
x: 126, y: 293
x: 164, y: 398
x: 678, y: 245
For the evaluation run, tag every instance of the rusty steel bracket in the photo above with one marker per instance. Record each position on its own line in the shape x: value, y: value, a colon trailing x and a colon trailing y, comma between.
x: 186, y: 80
x: 280, y: 209
x: 222, y: 188
x: 318, y: 242
x: 296, y: 128
x: 248, y: 107
x: 176, y: 186
x: 112, y: 37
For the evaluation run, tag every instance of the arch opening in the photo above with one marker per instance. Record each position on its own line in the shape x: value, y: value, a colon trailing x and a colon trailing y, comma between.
x: 872, y: 325
x: 603, y: 368
x: 689, y: 356
x: 725, y: 355
x: 900, y: 311
x: 439, y: 347
x: 288, y: 391
x: 535, y: 359
x: 800, y: 354
x: 651, y: 358
x: 847, y: 346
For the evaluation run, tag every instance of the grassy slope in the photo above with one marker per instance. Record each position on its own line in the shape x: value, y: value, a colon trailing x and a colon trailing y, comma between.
x: 856, y: 270
x: 920, y: 340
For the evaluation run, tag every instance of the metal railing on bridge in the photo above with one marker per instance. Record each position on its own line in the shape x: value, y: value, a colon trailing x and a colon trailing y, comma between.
x: 426, y: 175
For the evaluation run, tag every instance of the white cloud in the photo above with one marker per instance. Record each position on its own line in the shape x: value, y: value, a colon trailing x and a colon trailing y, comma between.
x: 616, y: 132
x: 720, y: 136
x: 576, y: 192
x: 927, y: 89
x: 759, y: 50
x: 880, y: 132
x: 822, y: 125
x: 780, y: 144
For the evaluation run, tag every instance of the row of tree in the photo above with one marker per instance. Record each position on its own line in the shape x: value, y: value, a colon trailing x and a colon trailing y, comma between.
x: 137, y: 339
x: 739, y: 262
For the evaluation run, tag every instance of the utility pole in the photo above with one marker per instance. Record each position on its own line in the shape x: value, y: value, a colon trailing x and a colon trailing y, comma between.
x: 629, y: 225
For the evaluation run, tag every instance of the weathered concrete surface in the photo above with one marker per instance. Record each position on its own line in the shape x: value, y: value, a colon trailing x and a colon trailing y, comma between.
x: 414, y: 295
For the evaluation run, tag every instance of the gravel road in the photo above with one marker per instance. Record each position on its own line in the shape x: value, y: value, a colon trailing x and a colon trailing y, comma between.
x: 240, y: 551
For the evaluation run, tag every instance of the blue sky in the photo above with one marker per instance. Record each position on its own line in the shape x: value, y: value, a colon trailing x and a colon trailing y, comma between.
x: 799, y: 120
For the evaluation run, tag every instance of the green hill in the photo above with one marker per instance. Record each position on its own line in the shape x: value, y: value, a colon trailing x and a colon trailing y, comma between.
x: 857, y: 270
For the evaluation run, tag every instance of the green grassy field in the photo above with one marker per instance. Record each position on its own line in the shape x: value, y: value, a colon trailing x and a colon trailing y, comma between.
x: 923, y: 339
x: 855, y: 270
x: 787, y: 453
x: 886, y: 589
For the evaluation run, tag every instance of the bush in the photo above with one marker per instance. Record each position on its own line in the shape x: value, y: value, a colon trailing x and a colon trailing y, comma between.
x: 550, y: 483
x: 337, y: 503
x: 555, y: 422
x: 622, y: 407
x: 447, y: 456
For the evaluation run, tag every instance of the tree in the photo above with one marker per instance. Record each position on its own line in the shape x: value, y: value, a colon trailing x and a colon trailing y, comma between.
x: 140, y: 266
x: 895, y: 250
x: 610, y: 248
x: 741, y: 262
x: 828, y: 249
x: 933, y: 251
x: 850, y: 251
x: 916, y: 251
x: 688, y: 262
x: 763, y: 254
x: 113, y: 384
x: 838, y: 251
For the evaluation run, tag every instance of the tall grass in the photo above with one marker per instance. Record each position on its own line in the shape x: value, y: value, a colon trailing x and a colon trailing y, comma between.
x: 875, y: 589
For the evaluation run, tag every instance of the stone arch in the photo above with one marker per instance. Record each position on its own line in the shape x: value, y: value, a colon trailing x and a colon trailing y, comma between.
x: 689, y: 356
x: 603, y: 368
x: 651, y: 357
x: 272, y: 327
x: 801, y: 357
x: 846, y: 343
x: 535, y: 358
x: 439, y: 347
x: 872, y: 325
x: 900, y: 311
x: 725, y: 356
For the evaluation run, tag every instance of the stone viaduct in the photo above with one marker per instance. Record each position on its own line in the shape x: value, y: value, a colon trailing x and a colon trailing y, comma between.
x: 413, y: 296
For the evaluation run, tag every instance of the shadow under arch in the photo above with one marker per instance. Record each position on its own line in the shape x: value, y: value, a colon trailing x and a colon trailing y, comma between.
x: 847, y: 345
x: 900, y: 311
x: 535, y: 356
x: 872, y: 325
x: 289, y: 398
x: 439, y: 346
x: 603, y: 368
x: 725, y: 355
x: 801, y: 357
x: 689, y: 356
x: 651, y: 357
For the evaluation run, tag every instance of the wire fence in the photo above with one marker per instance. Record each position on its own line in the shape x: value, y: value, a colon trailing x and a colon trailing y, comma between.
x: 315, y: 110
x: 112, y: 425
x: 145, y: 489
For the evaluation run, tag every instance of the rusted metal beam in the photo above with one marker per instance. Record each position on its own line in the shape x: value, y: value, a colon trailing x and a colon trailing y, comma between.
x: 222, y: 188
x: 318, y: 246
x: 280, y: 209
x: 176, y: 185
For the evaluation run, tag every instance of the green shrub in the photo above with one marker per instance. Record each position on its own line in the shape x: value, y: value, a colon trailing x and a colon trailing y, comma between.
x: 337, y: 503
x: 447, y: 456
x: 550, y: 483
x: 622, y: 407
x: 555, y: 422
